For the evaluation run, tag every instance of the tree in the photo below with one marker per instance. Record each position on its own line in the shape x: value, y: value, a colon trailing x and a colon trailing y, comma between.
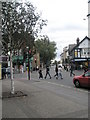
x: 20, y: 20
x: 46, y: 49
x: 20, y: 25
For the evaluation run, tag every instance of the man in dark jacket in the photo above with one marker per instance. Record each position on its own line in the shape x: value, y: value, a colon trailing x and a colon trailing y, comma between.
x: 47, y: 72
x: 56, y: 70
x: 71, y: 70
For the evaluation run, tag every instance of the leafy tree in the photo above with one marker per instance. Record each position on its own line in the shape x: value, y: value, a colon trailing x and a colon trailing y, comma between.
x: 46, y: 49
x: 20, y: 25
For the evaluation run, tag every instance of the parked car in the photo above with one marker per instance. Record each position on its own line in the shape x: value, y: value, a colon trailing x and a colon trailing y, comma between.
x: 82, y: 80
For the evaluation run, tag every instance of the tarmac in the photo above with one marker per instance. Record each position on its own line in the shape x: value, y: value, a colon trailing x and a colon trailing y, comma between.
x: 19, y: 103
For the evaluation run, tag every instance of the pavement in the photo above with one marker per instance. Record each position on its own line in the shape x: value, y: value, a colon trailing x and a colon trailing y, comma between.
x: 29, y: 103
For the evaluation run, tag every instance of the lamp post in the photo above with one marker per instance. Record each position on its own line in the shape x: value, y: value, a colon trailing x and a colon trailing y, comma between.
x: 28, y: 70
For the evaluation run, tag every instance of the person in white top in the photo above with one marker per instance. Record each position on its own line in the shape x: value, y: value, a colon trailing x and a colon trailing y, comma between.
x: 60, y: 71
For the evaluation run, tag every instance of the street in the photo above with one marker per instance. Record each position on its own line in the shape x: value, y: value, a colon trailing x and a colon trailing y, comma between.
x: 36, y: 35
x: 47, y: 98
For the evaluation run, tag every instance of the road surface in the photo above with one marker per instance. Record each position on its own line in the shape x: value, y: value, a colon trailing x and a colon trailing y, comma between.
x: 48, y: 98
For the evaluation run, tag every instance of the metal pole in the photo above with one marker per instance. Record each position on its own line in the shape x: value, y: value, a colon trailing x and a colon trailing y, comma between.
x: 28, y: 63
x: 29, y: 77
x: 28, y: 68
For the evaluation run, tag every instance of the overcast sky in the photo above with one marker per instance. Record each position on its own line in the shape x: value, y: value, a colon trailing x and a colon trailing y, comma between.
x: 65, y: 20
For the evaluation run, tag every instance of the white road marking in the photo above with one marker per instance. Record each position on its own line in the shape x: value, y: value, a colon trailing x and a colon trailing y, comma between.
x: 65, y: 86
x: 69, y: 87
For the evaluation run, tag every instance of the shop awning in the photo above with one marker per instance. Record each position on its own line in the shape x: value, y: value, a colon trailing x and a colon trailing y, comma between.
x: 17, y: 58
x: 30, y: 60
x: 78, y: 60
x: 20, y: 58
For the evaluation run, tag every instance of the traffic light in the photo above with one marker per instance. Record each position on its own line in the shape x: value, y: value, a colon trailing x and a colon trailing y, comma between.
x: 35, y: 60
x: 30, y: 53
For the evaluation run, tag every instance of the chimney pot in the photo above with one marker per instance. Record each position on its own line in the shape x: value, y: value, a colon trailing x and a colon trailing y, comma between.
x: 77, y: 41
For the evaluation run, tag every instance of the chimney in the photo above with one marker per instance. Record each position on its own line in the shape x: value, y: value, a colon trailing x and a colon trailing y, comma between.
x: 77, y: 41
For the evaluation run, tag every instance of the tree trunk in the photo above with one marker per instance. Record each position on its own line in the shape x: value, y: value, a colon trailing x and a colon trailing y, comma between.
x: 11, y: 69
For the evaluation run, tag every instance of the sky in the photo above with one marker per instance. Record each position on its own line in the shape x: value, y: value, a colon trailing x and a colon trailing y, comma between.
x: 65, y: 21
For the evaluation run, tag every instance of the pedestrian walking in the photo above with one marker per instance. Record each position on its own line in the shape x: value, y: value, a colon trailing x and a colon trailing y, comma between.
x: 40, y: 74
x: 60, y: 72
x: 3, y: 73
x: 8, y: 72
x: 47, y: 72
x: 81, y: 66
x: 71, y: 70
x: 56, y: 71
x: 85, y: 69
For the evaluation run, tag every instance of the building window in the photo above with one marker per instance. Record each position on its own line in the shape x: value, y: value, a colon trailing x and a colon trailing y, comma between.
x: 77, y: 53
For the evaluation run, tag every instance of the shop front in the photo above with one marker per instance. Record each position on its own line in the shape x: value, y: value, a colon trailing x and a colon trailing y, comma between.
x: 80, y: 63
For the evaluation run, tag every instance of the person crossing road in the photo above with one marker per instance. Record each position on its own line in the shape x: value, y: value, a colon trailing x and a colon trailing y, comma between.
x: 47, y: 72
x: 60, y: 72
x: 56, y: 70
x: 72, y: 70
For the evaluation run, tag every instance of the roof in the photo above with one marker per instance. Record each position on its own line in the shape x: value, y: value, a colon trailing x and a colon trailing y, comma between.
x: 81, y: 42
x: 71, y: 46
x: 88, y: 15
x: 61, y: 54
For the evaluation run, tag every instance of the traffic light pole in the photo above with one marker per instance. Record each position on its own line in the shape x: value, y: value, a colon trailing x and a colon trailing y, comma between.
x: 28, y: 68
